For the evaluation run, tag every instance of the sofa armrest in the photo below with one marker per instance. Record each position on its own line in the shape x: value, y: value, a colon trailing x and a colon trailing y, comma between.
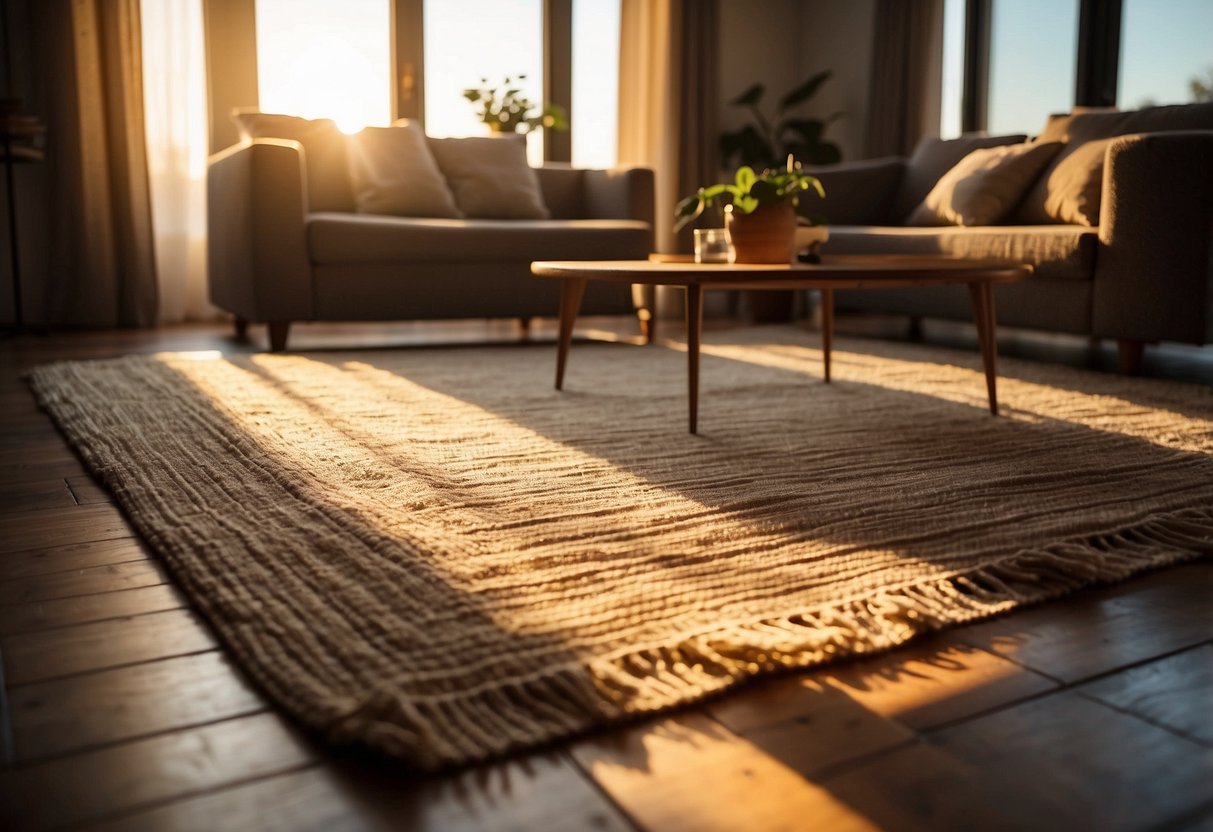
x: 1154, y: 268
x: 258, y: 264
x: 621, y: 194
x: 857, y: 193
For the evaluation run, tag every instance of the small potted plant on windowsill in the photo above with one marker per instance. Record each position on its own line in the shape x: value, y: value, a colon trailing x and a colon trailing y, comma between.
x: 505, y: 109
x: 760, y: 215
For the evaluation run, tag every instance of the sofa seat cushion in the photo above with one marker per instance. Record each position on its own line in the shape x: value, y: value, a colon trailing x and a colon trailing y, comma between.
x: 1059, y: 252
x: 352, y: 238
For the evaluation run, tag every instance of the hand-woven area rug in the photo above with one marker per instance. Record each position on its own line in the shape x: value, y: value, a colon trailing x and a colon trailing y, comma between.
x: 433, y: 553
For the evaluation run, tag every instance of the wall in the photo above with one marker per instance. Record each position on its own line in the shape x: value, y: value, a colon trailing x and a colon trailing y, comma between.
x: 837, y: 35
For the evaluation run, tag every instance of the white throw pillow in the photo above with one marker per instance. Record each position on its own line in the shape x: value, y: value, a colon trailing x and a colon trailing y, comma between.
x: 984, y: 186
x: 490, y: 177
x: 393, y: 172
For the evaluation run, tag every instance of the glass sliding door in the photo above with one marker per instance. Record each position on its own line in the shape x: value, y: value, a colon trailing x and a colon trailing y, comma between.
x: 1033, y: 44
x: 595, y: 110
x: 476, y: 43
x: 1166, y: 53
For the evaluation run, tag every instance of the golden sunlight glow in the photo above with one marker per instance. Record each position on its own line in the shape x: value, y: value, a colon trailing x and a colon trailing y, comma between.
x: 319, y: 59
x: 196, y: 355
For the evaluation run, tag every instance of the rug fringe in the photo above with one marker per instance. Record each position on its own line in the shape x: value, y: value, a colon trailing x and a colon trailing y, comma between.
x: 438, y: 732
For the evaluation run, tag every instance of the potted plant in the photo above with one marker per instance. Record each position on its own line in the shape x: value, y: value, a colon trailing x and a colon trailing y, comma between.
x: 506, y: 110
x: 760, y: 214
x: 767, y: 139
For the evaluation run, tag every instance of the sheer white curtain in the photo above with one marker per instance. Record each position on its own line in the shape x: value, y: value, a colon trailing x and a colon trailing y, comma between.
x: 174, y: 89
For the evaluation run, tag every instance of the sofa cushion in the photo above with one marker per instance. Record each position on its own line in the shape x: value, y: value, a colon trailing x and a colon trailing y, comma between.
x: 1076, y: 185
x: 984, y: 186
x: 362, y: 238
x: 490, y: 177
x: 931, y: 159
x: 324, y: 153
x: 1058, y: 252
x: 393, y: 172
x: 1084, y: 127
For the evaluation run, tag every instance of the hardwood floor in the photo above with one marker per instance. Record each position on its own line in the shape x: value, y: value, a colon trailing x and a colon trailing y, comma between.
x: 118, y: 710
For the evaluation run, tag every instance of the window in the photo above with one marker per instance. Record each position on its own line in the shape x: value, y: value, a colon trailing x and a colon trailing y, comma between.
x: 321, y: 59
x: 1033, y: 44
x: 595, y: 105
x: 953, y: 68
x: 1166, y: 52
x: 473, y: 42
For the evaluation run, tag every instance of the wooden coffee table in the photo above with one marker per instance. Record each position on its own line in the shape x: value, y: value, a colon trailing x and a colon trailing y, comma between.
x: 837, y: 272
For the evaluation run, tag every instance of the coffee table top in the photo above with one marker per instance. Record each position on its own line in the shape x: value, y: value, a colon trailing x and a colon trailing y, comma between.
x: 837, y: 271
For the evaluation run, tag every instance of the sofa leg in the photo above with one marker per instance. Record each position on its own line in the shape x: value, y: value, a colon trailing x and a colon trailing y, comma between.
x: 524, y: 328
x: 915, y: 331
x: 1130, y: 355
x: 278, y: 333
x: 241, y: 328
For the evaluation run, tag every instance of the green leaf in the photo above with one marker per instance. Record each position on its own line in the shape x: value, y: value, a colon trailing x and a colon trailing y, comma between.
x: 745, y: 146
x: 746, y: 204
x: 805, y: 91
x: 750, y: 97
x: 806, y: 130
x: 745, y: 178
x: 767, y: 192
x: 687, y: 212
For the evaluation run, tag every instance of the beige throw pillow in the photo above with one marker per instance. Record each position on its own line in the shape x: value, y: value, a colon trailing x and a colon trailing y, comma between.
x: 490, y: 177
x: 984, y: 186
x: 1075, y: 185
x: 393, y: 172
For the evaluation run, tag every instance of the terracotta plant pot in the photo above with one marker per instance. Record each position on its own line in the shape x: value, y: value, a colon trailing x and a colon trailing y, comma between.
x: 766, y: 236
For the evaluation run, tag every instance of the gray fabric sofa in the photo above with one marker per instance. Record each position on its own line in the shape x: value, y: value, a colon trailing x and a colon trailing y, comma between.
x: 286, y: 245
x: 1142, y: 272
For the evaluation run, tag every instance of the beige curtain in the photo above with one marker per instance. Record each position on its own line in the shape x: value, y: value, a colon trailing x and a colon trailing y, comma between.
x: 907, y: 56
x: 101, y: 268
x: 174, y: 90
x: 668, y: 100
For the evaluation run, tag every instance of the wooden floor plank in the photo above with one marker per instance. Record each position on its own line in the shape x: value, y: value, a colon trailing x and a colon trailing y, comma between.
x: 921, y: 686
x: 935, y: 682
x: 50, y: 654
x: 87, y: 490
x: 541, y: 792
x: 127, y: 777
x: 82, y: 609
x: 34, y: 471
x: 113, y: 577
x: 691, y: 773
x: 75, y: 556
x: 1103, y: 768
x: 1176, y: 692
x: 66, y: 715
x: 46, y: 450
x: 1088, y: 635
x: 920, y: 788
x: 28, y: 496
x: 63, y: 526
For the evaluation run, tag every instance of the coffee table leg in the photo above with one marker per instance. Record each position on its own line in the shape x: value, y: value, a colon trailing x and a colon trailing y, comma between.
x: 570, y: 302
x: 694, y: 330
x: 982, y: 296
x: 827, y: 328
